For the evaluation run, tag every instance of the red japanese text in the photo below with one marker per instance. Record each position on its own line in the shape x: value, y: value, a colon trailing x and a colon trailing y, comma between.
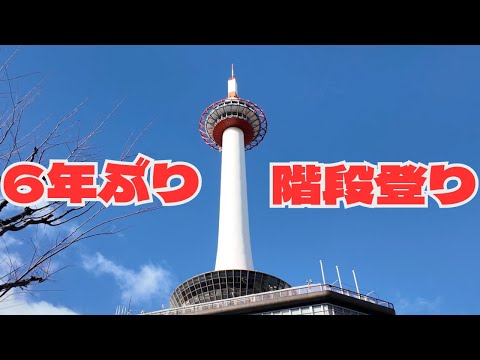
x: 124, y: 183
x: 390, y: 184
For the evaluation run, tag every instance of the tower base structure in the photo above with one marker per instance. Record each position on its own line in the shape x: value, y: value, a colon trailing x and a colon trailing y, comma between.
x: 223, y: 285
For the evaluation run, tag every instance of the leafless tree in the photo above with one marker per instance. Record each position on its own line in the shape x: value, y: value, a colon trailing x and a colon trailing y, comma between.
x: 37, y: 145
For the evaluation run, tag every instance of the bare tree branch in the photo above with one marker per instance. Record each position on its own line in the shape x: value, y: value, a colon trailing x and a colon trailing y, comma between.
x: 20, y: 283
x: 37, y: 145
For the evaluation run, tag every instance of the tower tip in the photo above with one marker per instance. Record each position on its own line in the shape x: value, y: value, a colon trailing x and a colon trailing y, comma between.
x: 232, y: 86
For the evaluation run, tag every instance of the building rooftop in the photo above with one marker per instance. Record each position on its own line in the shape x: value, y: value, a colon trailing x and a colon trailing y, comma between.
x: 295, y: 296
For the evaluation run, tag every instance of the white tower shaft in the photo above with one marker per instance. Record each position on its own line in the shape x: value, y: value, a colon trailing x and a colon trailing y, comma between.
x: 234, y: 251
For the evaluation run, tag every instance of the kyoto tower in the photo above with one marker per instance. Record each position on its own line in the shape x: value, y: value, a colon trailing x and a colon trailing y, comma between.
x: 231, y: 125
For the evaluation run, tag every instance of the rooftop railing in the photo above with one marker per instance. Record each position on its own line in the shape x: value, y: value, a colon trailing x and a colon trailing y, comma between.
x: 276, y: 294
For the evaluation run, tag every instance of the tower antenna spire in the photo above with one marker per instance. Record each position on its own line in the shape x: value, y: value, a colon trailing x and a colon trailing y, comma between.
x: 232, y: 86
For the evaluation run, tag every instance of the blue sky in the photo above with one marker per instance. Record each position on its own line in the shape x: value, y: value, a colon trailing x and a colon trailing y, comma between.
x: 323, y: 103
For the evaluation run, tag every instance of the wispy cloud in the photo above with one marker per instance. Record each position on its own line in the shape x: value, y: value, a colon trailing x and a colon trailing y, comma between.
x: 21, y: 303
x: 8, y: 240
x: 10, y: 259
x: 150, y: 281
x: 17, y: 301
x: 418, y: 306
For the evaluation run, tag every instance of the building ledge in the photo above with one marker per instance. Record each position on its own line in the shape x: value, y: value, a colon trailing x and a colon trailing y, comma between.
x: 286, y: 298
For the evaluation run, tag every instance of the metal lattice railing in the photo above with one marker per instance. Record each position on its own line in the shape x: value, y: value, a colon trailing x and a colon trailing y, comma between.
x: 255, y: 298
x: 242, y: 108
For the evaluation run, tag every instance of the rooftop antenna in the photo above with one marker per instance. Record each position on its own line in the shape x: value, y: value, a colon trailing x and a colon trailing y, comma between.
x: 323, y: 274
x: 128, y: 309
x: 339, y: 279
x: 356, y: 284
x: 122, y: 310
